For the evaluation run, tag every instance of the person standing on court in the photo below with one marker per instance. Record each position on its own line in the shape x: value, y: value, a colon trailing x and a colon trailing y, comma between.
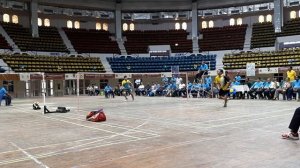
x: 127, y: 88
x: 291, y: 74
x: 222, y: 82
x: 294, y: 126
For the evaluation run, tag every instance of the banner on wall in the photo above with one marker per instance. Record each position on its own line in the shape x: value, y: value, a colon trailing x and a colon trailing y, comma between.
x: 70, y: 76
x: 166, y: 74
x: 250, y: 69
x: 267, y: 70
x: 121, y: 75
x: 24, y: 76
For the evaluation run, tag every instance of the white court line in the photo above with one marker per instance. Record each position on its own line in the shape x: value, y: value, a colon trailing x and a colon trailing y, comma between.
x: 50, y: 154
x: 120, y: 127
x: 30, y: 156
x: 195, y: 125
x: 205, y: 122
x: 52, y: 145
x: 239, y: 122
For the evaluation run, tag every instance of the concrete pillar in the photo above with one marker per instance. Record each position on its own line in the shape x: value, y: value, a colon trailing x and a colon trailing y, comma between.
x: 118, y: 20
x: 34, y: 18
x: 195, y: 27
x: 278, y: 15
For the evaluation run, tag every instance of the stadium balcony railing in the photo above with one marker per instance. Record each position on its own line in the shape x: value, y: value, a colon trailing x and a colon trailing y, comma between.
x: 92, y: 41
x: 49, y: 39
x: 138, y: 41
x: 262, y: 59
x: 51, y: 64
x: 159, y: 64
x: 223, y: 38
x: 263, y: 35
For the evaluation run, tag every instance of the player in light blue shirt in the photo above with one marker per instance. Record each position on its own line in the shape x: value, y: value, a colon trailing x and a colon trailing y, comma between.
x: 296, y: 87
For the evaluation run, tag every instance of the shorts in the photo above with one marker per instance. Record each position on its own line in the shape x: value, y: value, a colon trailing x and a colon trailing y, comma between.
x: 223, y: 92
x: 127, y: 91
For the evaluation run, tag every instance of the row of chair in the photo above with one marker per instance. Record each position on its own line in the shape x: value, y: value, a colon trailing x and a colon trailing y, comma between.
x: 22, y: 63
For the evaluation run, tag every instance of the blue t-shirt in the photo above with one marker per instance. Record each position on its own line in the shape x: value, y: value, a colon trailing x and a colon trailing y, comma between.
x: 296, y: 84
x: 238, y: 78
x: 173, y: 86
x: 2, y: 91
x: 190, y: 85
x: 235, y: 83
x: 267, y: 84
x: 107, y: 88
x: 165, y: 79
x: 208, y: 80
x: 196, y: 86
x: 257, y: 85
x: 203, y: 67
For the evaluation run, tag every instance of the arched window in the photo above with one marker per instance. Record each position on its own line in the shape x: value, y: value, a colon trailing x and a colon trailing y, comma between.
x: 69, y: 24
x: 261, y: 19
x: 239, y: 21
x: 177, y: 26
x: 98, y: 26
x: 125, y: 26
x: 204, y: 25
x: 6, y: 18
x: 76, y: 25
x: 15, y: 19
x: 211, y: 24
x: 40, y: 23
x: 293, y: 14
x: 46, y: 22
x: 269, y: 18
x: 131, y: 27
x: 232, y: 22
x: 105, y: 26
x: 184, y: 25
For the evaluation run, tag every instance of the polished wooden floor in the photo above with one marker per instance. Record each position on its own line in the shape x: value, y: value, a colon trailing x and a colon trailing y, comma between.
x: 151, y: 132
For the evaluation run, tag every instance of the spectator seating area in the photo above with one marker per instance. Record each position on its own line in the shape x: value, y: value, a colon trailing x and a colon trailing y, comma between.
x: 223, y: 38
x: 263, y: 35
x: 159, y: 64
x: 52, y: 64
x: 92, y: 41
x: 290, y: 28
x: 262, y: 59
x: 49, y: 39
x: 3, y: 43
x: 138, y: 41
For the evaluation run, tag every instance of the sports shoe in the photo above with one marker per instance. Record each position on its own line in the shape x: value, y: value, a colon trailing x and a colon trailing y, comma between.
x: 290, y: 136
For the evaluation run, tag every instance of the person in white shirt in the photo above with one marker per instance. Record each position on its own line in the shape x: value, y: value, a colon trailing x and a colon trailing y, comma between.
x: 178, y: 81
x: 140, y: 90
x: 182, y: 89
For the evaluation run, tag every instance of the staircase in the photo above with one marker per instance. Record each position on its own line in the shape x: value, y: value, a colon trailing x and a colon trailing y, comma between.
x: 106, y: 65
x: 66, y: 41
x: 122, y: 47
x: 9, y: 40
x: 248, y: 36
